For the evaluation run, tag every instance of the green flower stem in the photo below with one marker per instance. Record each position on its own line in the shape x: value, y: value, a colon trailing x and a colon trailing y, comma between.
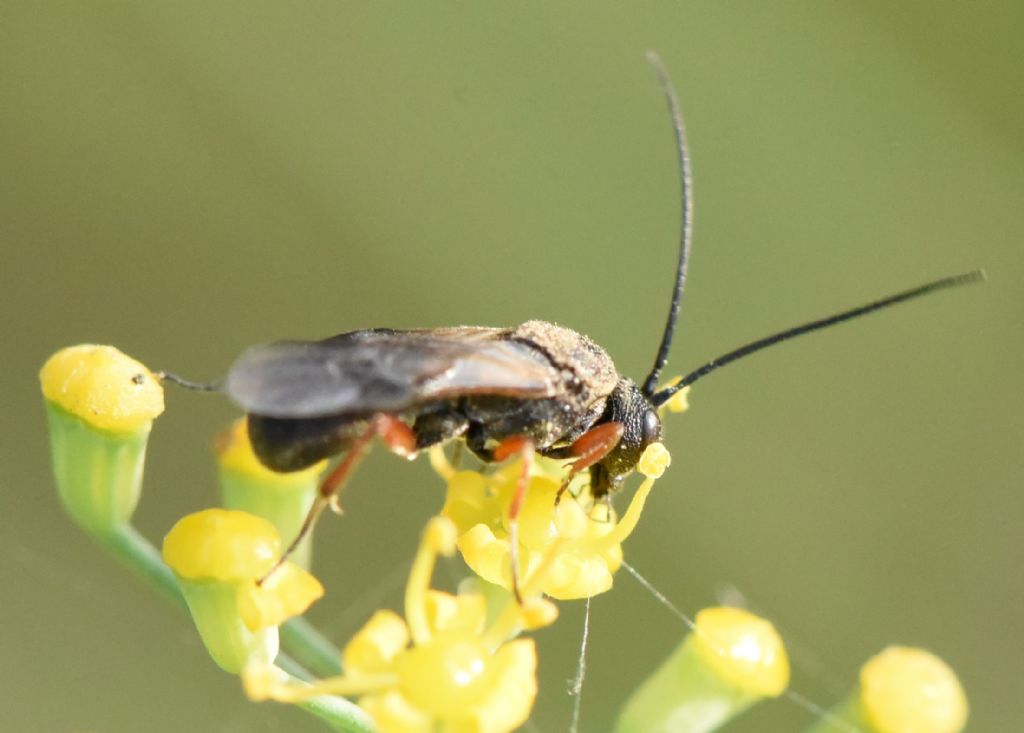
x: 843, y: 718
x: 310, y: 648
x: 98, y: 472
x: 301, y: 638
x: 144, y: 559
x: 682, y: 696
x: 298, y: 636
x: 340, y: 714
x: 232, y: 645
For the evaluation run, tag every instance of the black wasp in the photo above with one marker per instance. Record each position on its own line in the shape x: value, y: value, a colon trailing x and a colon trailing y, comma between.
x: 504, y: 391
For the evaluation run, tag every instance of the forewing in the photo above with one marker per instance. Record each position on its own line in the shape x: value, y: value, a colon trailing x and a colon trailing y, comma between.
x: 385, y: 371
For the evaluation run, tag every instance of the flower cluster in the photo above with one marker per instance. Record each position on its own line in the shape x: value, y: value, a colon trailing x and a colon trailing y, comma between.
x: 570, y: 551
x: 451, y: 663
x: 442, y: 668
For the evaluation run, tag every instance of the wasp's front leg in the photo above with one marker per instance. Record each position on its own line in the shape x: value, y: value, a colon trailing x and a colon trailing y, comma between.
x: 589, y: 449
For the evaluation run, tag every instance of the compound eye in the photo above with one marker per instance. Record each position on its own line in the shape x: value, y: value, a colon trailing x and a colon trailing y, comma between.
x: 652, y: 427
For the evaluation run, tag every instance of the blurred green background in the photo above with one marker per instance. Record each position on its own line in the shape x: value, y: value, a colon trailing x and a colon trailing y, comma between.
x: 183, y: 180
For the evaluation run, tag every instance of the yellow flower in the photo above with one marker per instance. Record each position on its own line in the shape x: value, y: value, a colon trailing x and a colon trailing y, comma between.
x: 283, y: 498
x: 907, y: 690
x: 218, y: 544
x: 218, y: 556
x: 732, y: 660
x: 235, y: 454
x: 102, y: 386
x: 100, y: 407
x: 742, y: 649
x: 579, y: 551
x: 441, y: 669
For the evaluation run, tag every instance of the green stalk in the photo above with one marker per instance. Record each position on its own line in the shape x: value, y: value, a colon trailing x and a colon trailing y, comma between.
x: 731, y: 660
x: 843, y: 718
x: 139, y: 554
x: 337, y: 712
x: 300, y: 638
x: 310, y: 648
x: 98, y: 472
x: 683, y: 696
x: 340, y: 714
x: 900, y: 689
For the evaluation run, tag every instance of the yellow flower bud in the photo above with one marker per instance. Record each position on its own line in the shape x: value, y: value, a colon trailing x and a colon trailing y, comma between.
x: 744, y: 649
x: 102, y: 386
x: 100, y: 407
x: 654, y: 460
x: 538, y: 613
x: 218, y: 555
x: 235, y: 453
x: 282, y: 498
x: 905, y: 690
x: 730, y: 661
x: 440, y: 536
x: 221, y: 544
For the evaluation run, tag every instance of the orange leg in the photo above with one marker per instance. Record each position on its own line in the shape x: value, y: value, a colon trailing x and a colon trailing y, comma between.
x: 590, y: 448
x: 507, y: 448
x: 397, y: 436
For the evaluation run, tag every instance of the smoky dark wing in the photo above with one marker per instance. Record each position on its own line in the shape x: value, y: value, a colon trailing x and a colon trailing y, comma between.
x: 385, y: 371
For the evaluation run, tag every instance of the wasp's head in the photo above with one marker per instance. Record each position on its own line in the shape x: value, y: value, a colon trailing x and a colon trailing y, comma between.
x: 641, y: 427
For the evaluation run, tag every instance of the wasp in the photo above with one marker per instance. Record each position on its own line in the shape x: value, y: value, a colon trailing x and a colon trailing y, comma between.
x: 534, y: 388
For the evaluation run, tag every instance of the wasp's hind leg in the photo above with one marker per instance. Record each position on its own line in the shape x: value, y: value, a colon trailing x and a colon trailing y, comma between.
x: 397, y: 436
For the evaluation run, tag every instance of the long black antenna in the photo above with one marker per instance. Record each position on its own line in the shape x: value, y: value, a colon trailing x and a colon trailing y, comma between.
x: 686, y: 225
x: 946, y: 282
